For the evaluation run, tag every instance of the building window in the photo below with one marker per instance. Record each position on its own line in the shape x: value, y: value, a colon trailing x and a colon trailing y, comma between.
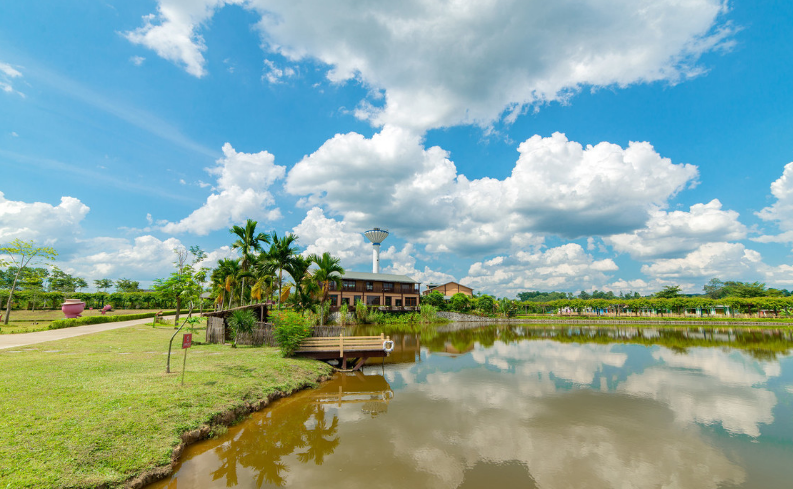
x: 369, y: 286
x: 388, y: 286
x: 410, y: 301
x: 388, y: 301
x: 372, y: 300
x: 357, y: 299
x: 333, y: 300
x: 332, y: 285
x: 348, y: 284
x: 398, y: 302
x: 345, y: 300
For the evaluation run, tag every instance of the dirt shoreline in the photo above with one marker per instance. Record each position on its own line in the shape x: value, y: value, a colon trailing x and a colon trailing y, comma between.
x: 227, y: 418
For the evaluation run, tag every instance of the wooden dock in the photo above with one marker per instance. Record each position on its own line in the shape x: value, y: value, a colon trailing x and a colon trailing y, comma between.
x: 346, y: 348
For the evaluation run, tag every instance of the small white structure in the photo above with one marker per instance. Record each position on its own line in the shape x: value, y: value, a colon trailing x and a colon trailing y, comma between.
x: 376, y: 236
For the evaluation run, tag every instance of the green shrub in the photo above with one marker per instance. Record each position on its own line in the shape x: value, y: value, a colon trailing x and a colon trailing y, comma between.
x: 486, y: 304
x: 428, y: 313
x: 435, y: 299
x: 289, y: 330
x: 460, y: 302
x: 343, y: 315
x: 375, y: 317
x: 361, y: 312
x: 241, y: 321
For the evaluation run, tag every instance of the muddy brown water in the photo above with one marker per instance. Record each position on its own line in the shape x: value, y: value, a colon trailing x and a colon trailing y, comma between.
x: 513, y: 406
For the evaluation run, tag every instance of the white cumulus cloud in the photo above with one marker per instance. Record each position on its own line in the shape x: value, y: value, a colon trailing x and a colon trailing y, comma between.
x: 45, y: 223
x: 565, y: 267
x: 557, y: 186
x: 447, y: 63
x: 241, y: 192
x: 780, y: 211
x: 672, y: 234
x: 708, y: 261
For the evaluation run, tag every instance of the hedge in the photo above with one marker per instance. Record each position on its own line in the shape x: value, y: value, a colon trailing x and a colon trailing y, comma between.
x: 70, y: 323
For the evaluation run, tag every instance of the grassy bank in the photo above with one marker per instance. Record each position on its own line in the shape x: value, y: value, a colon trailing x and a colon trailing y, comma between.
x: 99, y: 409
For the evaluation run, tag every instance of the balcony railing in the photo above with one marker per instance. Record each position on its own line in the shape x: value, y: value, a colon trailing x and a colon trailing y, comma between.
x: 377, y: 288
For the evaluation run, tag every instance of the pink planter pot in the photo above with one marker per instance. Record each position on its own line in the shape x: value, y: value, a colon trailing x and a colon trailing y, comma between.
x: 72, y: 308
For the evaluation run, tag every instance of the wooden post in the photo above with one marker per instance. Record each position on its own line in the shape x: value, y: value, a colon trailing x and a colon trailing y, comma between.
x: 341, y: 352
x: 184, y: 364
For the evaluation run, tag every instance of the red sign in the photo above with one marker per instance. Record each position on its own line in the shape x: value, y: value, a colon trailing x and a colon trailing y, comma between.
x: 187, y: 340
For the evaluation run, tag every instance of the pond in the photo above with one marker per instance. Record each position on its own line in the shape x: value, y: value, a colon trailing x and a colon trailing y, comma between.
x: 513, y: 406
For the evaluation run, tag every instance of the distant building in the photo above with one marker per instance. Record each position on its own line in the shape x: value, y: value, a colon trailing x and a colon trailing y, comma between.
x: 449, y: 289
x: 383, y: 290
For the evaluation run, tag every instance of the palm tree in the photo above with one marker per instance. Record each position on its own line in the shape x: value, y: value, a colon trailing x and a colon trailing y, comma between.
x: 297, y: 268
x: 247, y: 243
x: 225, y: 276
x: 328, y: 270
x: 264, y: 271
x: 282, y: 253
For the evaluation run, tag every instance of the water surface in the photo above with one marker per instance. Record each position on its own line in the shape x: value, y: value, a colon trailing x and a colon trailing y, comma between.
x: 513, y: 406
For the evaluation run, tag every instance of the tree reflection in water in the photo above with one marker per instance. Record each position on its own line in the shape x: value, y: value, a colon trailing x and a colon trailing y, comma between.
x: 262, y: 446
x: 298, y: 425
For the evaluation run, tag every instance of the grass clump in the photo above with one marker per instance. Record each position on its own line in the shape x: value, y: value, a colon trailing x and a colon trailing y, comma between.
x: 241, y: 321
x: 96, y: 410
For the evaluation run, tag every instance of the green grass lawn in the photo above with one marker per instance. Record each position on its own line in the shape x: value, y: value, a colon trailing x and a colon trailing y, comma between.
x: 99, y: 409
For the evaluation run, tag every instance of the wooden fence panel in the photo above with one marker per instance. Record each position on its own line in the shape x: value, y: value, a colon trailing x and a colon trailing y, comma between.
x: 262, y: 333
x: 216, y: 330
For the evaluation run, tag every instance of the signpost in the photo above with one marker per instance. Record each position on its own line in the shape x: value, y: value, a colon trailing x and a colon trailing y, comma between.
x: 187, y: 342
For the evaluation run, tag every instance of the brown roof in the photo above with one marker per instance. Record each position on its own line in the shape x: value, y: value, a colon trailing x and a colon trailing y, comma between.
x: 449, y: 283
x: 260, y: 309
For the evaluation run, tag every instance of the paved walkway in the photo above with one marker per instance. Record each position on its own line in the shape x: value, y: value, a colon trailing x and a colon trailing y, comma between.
x: 25, y: 339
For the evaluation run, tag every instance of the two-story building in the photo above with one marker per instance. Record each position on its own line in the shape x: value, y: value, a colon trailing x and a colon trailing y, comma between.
x: 383, y: 290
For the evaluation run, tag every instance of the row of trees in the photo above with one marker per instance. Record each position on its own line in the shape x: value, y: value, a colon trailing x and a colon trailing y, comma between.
x: 489, y: 305
x: 537, y: 296
x: 743, y: 305
x: 42, y: 279
x: 714, y: 289
x: 32, y: 300
x: 263, y: 271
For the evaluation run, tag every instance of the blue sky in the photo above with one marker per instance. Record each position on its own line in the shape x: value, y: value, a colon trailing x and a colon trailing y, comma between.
x: 511, y: 146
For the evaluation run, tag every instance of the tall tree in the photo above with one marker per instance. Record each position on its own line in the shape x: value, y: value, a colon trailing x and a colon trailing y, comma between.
x: 127, y: 285
x: 103, y: 284
x: 33, y: 281
x: 61, y: 281
x: 248, y: 242
x: 180, y: 286
x: 669, y: 292
x: 328, y: 271
x: 80, y: 283
x: 281, y: 253
x: 264, y: 271
x: 23, y: 253
x: 714, y: 289
x: 224, y: 278
x: 298, y: 269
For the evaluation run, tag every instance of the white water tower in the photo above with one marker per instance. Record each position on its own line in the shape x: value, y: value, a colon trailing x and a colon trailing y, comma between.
x: 376, y: 236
